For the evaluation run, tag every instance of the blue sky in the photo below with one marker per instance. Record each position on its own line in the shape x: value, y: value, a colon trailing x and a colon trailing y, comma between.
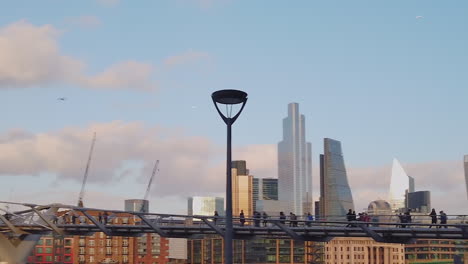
x: 368, y: 73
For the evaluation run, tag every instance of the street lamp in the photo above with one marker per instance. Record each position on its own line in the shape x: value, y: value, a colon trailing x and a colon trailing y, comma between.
x: 229, y: 98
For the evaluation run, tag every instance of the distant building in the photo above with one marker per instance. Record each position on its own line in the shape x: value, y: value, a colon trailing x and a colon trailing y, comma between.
x: 199, y: 205
x: 466, y: 172
x: 437, y: 251
x: 399, y: 187
x: 335, y: 194
x: 264, y: 189
x: 295, y: 163
x: 137, y: 205
x: 242, y: 189
x: 362, y: 250
x: 419, y: 201
x: 380, y: 211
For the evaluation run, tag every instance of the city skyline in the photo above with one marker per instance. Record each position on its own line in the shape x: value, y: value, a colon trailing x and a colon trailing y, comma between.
x: 383, y: 82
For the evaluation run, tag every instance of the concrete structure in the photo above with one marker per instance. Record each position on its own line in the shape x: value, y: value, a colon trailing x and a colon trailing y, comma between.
x: 362, y: 251
x: 177, y: 249
x: 399, y: 187
x: 465, y: 163
x: 264, y: 189
x: 335, y: 194
x: 242, y: 189
x: 295, y: 163
x: 199, y: 205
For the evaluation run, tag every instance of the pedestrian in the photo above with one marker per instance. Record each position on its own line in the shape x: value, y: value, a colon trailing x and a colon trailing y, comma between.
x: 349, y: 217
x: 294, y: 220
x: 310, y: 218
x: 100, y: 217
x: 408, y: 217
x: 291, y: 219
x: 282, y: 218
x: 105, y: 217
x: 433, y: 215
x: 265, y: 217
x: 242, y: 218
x: 257, y: 217
x: 215, y: 217
x: 73, y: 217
x: 443, y: 219
x: 402, y: 218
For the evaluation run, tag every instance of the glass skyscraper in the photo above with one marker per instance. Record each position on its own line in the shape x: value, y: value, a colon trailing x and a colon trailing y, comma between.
x: 466, y: 173
x: 335, y: 194
x: 400, y: 185
x: 295, y: 163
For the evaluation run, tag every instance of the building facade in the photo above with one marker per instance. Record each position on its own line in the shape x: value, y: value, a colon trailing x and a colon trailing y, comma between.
x: 264, y: 189
x: 242, y: 189
x: 205, y: 205
x: 419, y: 201
x: 434, y: 251
x: 295, y: 163
x: 335, y: 194
x: 399, y: 187
x: 342, y: 250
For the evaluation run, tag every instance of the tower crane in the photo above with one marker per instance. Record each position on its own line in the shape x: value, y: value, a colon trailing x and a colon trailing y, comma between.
x: 155, y: 169
x: 85, y: 177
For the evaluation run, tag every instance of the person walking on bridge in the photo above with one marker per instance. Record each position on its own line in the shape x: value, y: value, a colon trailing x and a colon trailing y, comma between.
x: 433, y: 216
x: 443, y: 218
x: 242, y: 218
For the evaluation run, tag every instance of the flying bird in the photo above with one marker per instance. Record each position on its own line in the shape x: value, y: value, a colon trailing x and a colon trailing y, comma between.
x: 419, y: 17
x: 61, y: 98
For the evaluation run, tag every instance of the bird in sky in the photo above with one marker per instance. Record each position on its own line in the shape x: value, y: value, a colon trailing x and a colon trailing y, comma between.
x: 61, y: 98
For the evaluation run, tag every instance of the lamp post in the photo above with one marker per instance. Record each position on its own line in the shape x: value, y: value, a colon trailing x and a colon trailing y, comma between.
x: 229, y: 98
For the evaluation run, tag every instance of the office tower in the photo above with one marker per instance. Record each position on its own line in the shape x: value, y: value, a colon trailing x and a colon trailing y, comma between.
x: 399, y: 187
x: 264, y: 189
x: 198, y: 205
x: 242, y: 189
x: 137, y: 205
x: 335, y: 194
x: 437, y: 251
x: 419, y: 201
x: 466, y: 173
x: 295, y: 163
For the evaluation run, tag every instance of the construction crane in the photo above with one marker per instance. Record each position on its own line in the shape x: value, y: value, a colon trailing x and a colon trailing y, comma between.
x: 80, y: 198
x: 155, y: 169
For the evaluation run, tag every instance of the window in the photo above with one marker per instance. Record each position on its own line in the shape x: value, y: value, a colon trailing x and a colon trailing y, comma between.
x: 48, y: 242
x: 39, y: 250
x: 91, y: 251
x: 91, y: 243
x: 91, y: 259
x: 82, y: 251
x: 68, y: 242
x: 48, y: 250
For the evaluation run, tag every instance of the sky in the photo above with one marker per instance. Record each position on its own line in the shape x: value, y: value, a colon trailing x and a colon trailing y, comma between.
x: 386, y: 78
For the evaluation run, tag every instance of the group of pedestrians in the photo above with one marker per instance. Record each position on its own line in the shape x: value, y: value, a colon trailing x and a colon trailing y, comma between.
x: 442, y: 216
x: 261, y: 219
x: 352, y: 217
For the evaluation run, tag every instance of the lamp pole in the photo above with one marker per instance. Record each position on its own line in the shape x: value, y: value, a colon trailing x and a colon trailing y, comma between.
x: 229, y: 98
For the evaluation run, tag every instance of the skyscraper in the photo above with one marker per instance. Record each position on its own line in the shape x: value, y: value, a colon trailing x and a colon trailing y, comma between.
x: 242, y: 189
x: 335, y: 194
x: 466, y: 173
x: 399, y: 186
x: 295, y: 163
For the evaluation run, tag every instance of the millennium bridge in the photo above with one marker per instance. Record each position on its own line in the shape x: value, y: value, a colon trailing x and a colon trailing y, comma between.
x: 21, y: 229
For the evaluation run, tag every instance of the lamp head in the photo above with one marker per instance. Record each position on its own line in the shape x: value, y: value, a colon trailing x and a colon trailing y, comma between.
x: 229, y: 97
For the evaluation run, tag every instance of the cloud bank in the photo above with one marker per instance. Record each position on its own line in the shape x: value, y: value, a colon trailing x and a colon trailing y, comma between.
x: 30, y: 56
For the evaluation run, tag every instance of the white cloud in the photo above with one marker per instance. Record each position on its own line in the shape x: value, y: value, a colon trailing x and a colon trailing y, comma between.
x: 185, y: 58
x: 30, y: 56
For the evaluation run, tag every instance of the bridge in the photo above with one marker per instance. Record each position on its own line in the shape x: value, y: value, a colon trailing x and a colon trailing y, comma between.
x: 21, y: 229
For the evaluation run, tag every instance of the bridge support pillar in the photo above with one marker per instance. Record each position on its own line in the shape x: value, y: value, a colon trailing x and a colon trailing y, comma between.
x: 15, y: 250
